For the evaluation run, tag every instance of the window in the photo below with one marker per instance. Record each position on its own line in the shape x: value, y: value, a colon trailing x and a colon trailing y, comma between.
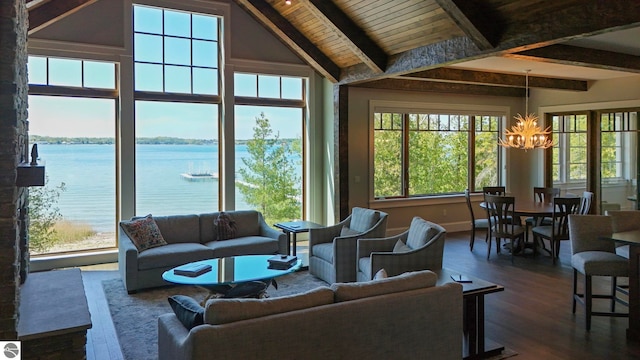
x: 72, y: 118
x: 177, y: 111
x: 570, y: 151
x: 422, y: 153
x: 269, y: 123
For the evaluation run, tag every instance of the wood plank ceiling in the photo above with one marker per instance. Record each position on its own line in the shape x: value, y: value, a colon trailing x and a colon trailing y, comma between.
x: 410, y: 44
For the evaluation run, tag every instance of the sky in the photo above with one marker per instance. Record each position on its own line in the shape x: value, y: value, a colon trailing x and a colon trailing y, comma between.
x: 156, y: 70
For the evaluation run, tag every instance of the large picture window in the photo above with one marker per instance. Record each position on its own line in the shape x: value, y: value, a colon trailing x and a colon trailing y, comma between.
x: 431, y: 153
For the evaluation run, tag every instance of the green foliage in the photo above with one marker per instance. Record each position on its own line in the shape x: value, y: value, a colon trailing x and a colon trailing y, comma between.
x: 43, y: 215
x: 269, y: 181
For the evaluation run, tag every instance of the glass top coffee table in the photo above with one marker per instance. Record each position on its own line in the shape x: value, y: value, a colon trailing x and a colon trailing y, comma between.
x: 237, y: 276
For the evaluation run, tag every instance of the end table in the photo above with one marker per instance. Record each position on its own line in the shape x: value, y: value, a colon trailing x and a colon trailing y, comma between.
x: 292, y: 228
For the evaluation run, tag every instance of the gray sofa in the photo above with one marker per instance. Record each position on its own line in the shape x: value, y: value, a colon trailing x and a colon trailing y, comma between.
x: 401, y: 317
x: 192, y: 238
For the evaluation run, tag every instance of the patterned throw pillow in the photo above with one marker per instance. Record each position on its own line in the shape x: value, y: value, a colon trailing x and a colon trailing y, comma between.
x: 144, y: 233
x: 400, y: 247
x: 226, y: 226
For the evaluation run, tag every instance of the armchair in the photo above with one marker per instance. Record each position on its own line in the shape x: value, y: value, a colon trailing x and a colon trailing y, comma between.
x: 421, y: 249
x: 332, y: 249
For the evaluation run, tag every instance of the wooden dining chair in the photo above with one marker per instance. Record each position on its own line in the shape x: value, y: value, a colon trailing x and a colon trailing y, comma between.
x: 558, y: 229
x: 541, y: 195
x: 494, y: 190
x: 482, y: 224
x: 585, y: 203
x: 501, y: 215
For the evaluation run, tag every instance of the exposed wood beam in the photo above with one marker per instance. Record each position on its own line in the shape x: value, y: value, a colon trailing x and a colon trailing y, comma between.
x: 478, y: 22
x: 573, y: 55
x: 293, y: 38
x: 442, y: 87
x: 349, y: 33
x: 584, y: 18
x: 491, y: 78
x: 42, y: 14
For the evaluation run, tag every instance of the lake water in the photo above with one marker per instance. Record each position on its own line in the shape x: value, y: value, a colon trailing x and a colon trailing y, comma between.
x: 88, y: 172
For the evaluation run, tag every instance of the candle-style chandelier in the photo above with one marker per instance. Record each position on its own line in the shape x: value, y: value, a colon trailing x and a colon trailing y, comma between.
x: 526, y: 134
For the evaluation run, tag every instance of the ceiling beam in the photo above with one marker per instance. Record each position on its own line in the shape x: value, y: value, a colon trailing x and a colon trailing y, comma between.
x: 349, y: 33
x: 442, y: 87
x: 574, y: 55
x: 492, y: 78
x: 582, y: 19
x: 42, y: 14
x: 293, y: 38
x: 478, y: 22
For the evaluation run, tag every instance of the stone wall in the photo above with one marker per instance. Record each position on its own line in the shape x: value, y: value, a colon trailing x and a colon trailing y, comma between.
x: 13, y: 150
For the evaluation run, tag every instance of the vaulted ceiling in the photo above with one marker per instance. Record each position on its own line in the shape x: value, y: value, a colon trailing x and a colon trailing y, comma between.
x: 469, y: 46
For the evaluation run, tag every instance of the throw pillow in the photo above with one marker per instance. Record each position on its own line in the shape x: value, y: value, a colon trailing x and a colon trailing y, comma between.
x: 187, y: 310
x: 381, y: 274
x: 400, y: 247
x: 226, y: 226
x: 144, y: 233
x: 347, y: 231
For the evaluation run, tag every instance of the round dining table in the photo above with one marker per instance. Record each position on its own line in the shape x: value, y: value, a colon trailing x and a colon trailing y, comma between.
x: 528, y: 207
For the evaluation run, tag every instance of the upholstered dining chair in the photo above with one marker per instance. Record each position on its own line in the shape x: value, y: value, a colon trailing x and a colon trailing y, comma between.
x: 420, y: 247
x: 624, y: 220
x: 558, y: 229
x: 476, y: 224
x: 593, y: 254
x: 332, y: 249
x: 501, y: 214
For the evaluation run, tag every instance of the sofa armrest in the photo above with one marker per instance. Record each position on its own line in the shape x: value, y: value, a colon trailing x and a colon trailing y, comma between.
x: 127, y: 261
x: 268, y: 231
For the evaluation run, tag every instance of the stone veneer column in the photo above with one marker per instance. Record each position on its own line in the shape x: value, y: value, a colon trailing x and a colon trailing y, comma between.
x: 13, y: 150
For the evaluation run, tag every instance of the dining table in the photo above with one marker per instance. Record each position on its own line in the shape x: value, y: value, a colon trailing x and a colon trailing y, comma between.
x: 632, y: 238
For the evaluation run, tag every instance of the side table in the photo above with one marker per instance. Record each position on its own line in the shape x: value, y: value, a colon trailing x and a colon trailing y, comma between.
x: 292, y: 228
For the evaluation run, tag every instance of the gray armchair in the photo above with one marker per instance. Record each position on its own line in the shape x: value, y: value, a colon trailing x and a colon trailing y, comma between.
x: 332, y: 249
x: 421, y: 249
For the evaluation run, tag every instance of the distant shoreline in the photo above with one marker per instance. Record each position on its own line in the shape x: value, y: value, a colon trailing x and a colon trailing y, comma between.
x: 160, y: 140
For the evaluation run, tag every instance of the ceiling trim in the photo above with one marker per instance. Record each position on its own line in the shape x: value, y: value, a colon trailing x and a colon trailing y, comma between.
x: 477, y: 23
x: 499, y: 79
x: 442, y: 87
x: 349, y: 33
x: 579, y: 56
x: 41, y: 14
x: 291, y: 37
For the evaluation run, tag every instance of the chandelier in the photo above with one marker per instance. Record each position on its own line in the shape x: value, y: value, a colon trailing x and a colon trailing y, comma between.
x: 526, y: 134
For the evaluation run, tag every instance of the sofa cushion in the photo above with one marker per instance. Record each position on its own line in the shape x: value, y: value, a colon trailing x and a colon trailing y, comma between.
x: 404, y: 282
x: 420, y: 232
x: 172, y: 255
x: 225, y: 226
x: 179, y: 228
x: 223, y: 311
x: 248, y: 245
x: 400, y: 247
x: 144, y: 233
x: 187, y: 310
x: 363, y: 219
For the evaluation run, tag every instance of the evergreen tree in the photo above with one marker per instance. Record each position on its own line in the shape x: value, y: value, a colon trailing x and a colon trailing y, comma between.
x: 268, y: 180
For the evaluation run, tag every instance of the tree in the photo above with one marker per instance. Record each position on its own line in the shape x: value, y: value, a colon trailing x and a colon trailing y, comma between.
x: 43, y: 215
x: 268, y: 178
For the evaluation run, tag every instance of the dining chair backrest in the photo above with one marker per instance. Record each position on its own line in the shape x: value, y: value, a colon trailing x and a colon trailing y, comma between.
x: 591, y: 233
x: 494, y: 190
x: 585, y: 203
x: 545, y: 194
x: 501, y: 210
x: 562, y: 208
x: 467, y: 197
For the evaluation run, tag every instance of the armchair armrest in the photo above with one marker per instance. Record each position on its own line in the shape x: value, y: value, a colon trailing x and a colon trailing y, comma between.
x: 428, y: 257
x: 326, y: 234
x: 367, y: 246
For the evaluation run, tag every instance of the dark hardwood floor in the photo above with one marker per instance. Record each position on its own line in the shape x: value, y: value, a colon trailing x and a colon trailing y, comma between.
x: 531, y: 317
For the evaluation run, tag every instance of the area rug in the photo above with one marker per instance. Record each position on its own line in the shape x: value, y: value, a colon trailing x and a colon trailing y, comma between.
x: 135, y: 316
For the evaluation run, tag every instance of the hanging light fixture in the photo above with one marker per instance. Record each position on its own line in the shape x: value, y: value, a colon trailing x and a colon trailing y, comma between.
x: 287, y: 2
x: 526, y: 134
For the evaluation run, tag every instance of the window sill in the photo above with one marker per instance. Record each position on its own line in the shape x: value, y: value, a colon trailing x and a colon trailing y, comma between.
x: 417, y: 201
x: 57, y: 261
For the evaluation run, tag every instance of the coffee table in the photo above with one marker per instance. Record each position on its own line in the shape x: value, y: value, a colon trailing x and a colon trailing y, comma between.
x: 229, y: 272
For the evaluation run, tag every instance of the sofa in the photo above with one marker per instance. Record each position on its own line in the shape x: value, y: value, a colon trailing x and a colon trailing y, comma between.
x: 188, y: 238
x: 401, y: 317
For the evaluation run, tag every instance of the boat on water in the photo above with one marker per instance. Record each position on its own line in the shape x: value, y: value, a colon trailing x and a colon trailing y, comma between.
x: 206, y: 176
